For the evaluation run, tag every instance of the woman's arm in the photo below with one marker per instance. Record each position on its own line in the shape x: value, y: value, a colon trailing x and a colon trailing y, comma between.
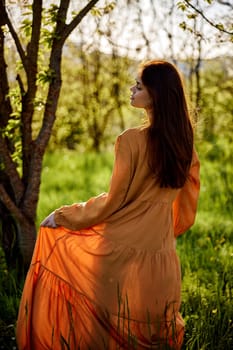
x: 83, y: 215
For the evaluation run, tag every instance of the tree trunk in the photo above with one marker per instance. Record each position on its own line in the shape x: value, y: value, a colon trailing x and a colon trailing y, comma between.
x: 26, y: 239
x: 19, y: 192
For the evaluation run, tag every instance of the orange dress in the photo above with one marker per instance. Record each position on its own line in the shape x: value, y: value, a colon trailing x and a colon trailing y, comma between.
x: 109, y: 277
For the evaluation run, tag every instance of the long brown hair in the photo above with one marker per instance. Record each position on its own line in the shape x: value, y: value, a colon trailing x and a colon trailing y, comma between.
x: 170, y: 133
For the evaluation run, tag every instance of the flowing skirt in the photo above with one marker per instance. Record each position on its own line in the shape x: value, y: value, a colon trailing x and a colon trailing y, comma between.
x: 83, y: 291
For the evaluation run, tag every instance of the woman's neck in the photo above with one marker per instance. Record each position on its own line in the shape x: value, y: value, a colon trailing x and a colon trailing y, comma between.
x: 149, y: 113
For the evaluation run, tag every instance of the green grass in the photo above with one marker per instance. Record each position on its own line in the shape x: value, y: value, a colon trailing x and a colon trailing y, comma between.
x: 206, y: 254
x: 70, y: 177
x: 9, y: 301
x: 205, y: 251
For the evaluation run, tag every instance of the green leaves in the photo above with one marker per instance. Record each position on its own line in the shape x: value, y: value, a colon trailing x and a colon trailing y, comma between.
x: 193, y: 11
x: 191, y: 15
x: 50, y: 15
x: 96, y: 12
x: 26, y: 27
x: 12, y: 133
x: 108, y: 8
x: 220, y: 26
x: 26, y: 24
x: 46, y: 76
x: 182, y: 6
x: 183, y: 25
x: 100, y: 11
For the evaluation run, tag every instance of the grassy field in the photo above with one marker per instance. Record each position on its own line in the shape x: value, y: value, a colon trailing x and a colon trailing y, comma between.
x: 206, y: 251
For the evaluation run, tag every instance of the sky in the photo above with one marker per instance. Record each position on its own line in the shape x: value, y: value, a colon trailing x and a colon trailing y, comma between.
x: 157, y: 24
x: 160, y: 20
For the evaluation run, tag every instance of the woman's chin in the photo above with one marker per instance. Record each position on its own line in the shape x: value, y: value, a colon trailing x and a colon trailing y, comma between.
x: 132, y: 102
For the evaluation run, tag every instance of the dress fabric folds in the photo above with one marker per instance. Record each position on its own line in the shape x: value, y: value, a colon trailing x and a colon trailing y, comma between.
x: 108, y: 277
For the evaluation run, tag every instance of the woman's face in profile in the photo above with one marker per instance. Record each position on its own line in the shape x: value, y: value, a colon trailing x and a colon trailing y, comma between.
x: 140, y: 97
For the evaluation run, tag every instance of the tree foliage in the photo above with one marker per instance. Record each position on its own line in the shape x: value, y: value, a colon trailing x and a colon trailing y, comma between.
x: 194, y: 9
x: 94, y: 103
x: 43, y: 34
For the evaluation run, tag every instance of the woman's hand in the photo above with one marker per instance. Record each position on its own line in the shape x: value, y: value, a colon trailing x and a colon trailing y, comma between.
x: 49, y: 221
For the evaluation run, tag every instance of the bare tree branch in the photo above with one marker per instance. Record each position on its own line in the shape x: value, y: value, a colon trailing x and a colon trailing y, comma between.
x: 28, y: 97
x: 33, y: 46
x: 11, y: 170
x: 5, y: 104
x: 13, y: 33
x: 143, y: 32
x: 61, y: 33
x: 200, y: 12
x: 21, y: 86
x: 77, y: 19
x: 225, y: 3
x: 10, y: 205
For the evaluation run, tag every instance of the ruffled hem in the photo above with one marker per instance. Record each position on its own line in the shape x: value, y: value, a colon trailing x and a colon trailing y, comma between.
x: 66, y: 298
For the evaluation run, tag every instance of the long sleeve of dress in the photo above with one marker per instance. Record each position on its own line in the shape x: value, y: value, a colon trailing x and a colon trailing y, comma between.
x: 83, y: 215
x: 185, y: 204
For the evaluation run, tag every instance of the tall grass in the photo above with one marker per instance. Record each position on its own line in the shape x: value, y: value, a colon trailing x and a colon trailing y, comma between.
x: 205, y: 251
x: 206, y: 254
x: 9, y: 301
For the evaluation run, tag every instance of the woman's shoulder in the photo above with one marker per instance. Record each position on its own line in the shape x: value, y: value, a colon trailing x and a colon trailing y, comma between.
x: 134, y: 133
x: 134, y: 139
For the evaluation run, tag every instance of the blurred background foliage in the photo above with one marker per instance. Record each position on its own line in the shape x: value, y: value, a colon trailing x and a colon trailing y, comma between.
x: 98, y: 69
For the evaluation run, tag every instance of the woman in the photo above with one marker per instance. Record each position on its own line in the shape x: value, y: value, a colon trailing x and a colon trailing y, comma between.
x: 104, y: 273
